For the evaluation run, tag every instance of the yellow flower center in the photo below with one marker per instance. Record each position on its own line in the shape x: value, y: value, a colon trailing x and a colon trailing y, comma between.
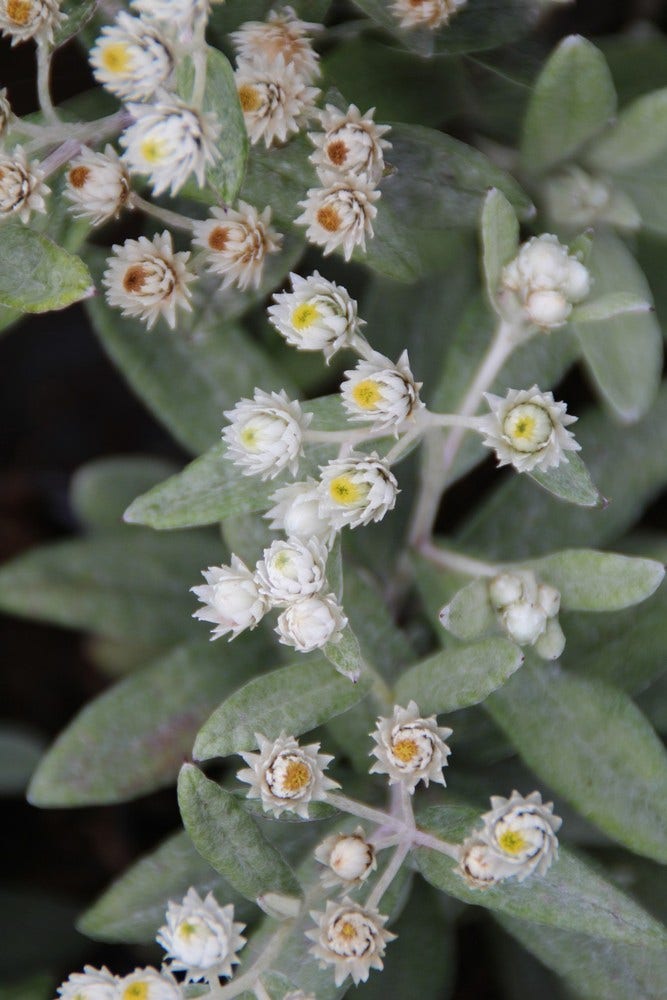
x: 344, y: 491
x: 116, y: 57
x: 19, y: 11
x: 136, y: 991
x: 347, y: 931
x: 152, y: 150
x: 250, y: 98
x: 512, y: 842
x: 328, y: 218
x: 248, y: 438
x: 186, y: 930
x: 405, y: 750
x: 367, y: 394
x: 297, y: 776
x: 304, y: 316
x: 528, y: 427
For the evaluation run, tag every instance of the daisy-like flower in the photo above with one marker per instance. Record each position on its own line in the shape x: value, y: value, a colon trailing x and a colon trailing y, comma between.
x: 297, y: 513
x: 98, y: 185
x: 527, y: 429
x: 285, y: 776
x: 201, y: 938
x: 351, y: 938
x: 316, y: 315
x: 231, y: 598
x: 275, y: 99
x: 237, y: 243
x: 431, y: 14
x: 91, y: 984
x: 349, y: 859
x: 478, y: 865
x: 282, y: 34
x: 131, y: 58
x: 340, y: 215
x: 381, y: 392
x: 311, y: 622
x: 145, y: 278
x: 169, y: 141
x: 544, y: 281
x: 24, y: 19
x: 292, y: 569
x: 148, y: 984
x: 410, y: 748
x: 265, y: 434
x: 351, y: 144
x: 356, y: 490
x: 22, y: 189
x: 521, y: 833
x: 5, y: 111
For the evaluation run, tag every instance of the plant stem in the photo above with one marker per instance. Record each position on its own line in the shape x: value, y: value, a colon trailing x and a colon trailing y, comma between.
x: 173, y: 219
x: 362, y: 811
x: 262, y: 963
x: 199, y: 61
x: 260, y: 991
x: 389, y: 874
x: 43, y: 73
x: 421, y: 839
x: 457, y: 562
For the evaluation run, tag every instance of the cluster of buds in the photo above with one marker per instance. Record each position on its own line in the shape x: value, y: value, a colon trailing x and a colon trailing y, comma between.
x: 542, y: 284
x: 528, y: 611
x: 431, y: 14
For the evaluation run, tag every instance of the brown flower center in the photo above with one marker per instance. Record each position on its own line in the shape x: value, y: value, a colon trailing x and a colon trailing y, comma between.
x: 337, y: 152
x: 328, y: 218
x: 78, y: 176
x: 19, y: 11
x: 135, y: 278
x: 250, y: 98
x: 218, y: 238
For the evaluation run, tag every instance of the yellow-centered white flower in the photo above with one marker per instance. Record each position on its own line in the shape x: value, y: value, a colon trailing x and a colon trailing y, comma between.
x: 351, y: 938
x: 311, y: 623
x: 356, y: 490
x: 148, y: 984
x: 543, y: 282
x: 201, y: 938
x: 430, y: 14
x: 521, y: 833
x: 285, y: 776
x: 410, y: 748
x: 292, y: 569
x: 132, y: 59
x: 339, y: 215
x: 24, y: 19
x: 350, y: 145
x: 282, y: 34
x: 381, y: 393
x: 349, y: 859
x: 231, y: 598
x: 236, y: 244
x: 91, y: 984
x: 317, y: 315
x: 265, y: 434
x: 297, y: 513
x: 22, y: 188
x: 98, y: 185
x: 478, y: 865
x: 275, y: 99
x: 527, y: 429
x: 147, y: 279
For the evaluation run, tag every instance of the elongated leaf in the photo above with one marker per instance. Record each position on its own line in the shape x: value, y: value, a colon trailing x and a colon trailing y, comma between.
x: 132, y: 739
x: 469, y: 614
x: 36, y: 275
x: 593, y: 746
x: 500, y: 239
x: 573, y: 100
x: 78, y: 12
x: 599, y: 581
x: 101, y: 490
x: 295, y: 698
x: 608, y: 306
x: 638, y: 136
x: 570, y: 481
x: 229, y: 839
x: 346, y: 656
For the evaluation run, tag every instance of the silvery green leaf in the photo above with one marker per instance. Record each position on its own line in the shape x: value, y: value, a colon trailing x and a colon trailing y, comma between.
x: 229, y: 838
x: 598, y: 581
x: 36, y: 275
x: 20, y: 750
x: 346, y: 656
x: 570, y: 481
x: 500, y: 240
x: 637, y: 137
x: 78, y: 12
x: 573, y: 100
x: 469, y: 614
x: 101, y: 490
x: 608, y: 306
x: 296, y: 698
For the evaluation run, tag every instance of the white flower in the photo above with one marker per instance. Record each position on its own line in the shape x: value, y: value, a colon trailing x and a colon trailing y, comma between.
x: 232, y: 601
x: 147, y: 279
x: 381, y: 392
x: 131, y: 58
x: 340, y: 215
x: 545, y: 281
x: 21, y: 186
x: 169, y: 141
x: 24, y: 19
x: 285, y: 776
x: 351, y: 144
x: 311, y: 622
x: 236, y: 243
x: 521, y: 833
x: 526, y: 429
x: 316, y: 315
x: 356, y: 490
x: 425, y: 13
x: 349, y: 859
x: 148, y: 984
x: 351, y: 938
x: 505, y: 589
x: 5, y: 111
x: 201, y: 938
x: 178, y: 13
x: 297, y: 513
x: 283, y: 34
x: 410, y: 748
x: 97, y: 185
x: 265, y: 434
x: 478, y: 864
x: 91, y: 984
x: 524, y: 622
x: 292, y: 569
x: 275, y: 99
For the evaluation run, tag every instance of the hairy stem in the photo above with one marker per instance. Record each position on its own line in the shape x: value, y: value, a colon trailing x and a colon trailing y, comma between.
x: 389, y: 874
x: 173, y: 219
x: 457, y: 562
x: 43, y: 74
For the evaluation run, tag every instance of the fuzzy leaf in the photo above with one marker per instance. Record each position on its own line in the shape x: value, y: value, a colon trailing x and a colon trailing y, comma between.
x: 36, y: 275
x: 500, y: 239
x: 469, y: 614
x: 101, y: 490
x: 570, y: 481
x: 599, y: 581
x: 637, y: 137
x: 78, y: 12
x: 345, y: 655
x: 609, y: 306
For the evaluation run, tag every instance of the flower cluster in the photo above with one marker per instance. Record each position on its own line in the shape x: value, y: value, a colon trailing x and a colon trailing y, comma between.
x: 528, y: 611
x: 527, y: 429
x: 543, y: 282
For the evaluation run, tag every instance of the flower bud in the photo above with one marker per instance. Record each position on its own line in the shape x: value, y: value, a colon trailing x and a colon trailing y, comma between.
x: 549, y: 599
x: 311, y: 622
x: 551, y: 643
x: 349, y: 858
x: 524, y: 622
x: 504, y: 589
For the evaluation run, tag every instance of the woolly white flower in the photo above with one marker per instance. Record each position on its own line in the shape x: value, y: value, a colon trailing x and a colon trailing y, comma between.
x: 297, y: 513
x: 526, y: 429
x: 282, y: 34
x: 22, y: 189
x: 545, y: 281
x: 410, y: 748
x: 349, y: 859
x: 340, y: 215
x: 356, y: 490
x: 265, y: 434
x: 131, y: 58
x: 425, y: 13
x: 311, y: 622
x: 179, y: 13
x: 148, y: 984
x: 285, y: 776
x: 232, y: 601
x: 478, y: 864
x: 201, y: 938
x: 24, y: 19
x: 97, y: 185
x: 381, y: 392
x: 147, y: 279
x: 237, y: 243
x: 91, y: 984
x: 521, y: 832
x: 351, y: 144
x: 351, y: 938
x: 169, y: 141
x: 5, y: 110
x: 292, y: 569
x: 316, y: 315
x: 274, y: 98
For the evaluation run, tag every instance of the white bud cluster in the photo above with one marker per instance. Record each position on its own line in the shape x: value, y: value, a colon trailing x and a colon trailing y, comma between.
x: 100, y: 984
x: 528, y: 611
x: 543, y: 282
x: 98, y: 186
x: 527, y: 429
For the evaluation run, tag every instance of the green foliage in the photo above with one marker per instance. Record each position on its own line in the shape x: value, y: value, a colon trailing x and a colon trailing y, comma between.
x: 500, y: 240
x: 36, y: 275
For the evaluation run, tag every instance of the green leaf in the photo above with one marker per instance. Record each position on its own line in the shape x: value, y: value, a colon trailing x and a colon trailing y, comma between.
x: 229, y: 839
x: 599, y: 581
x: 570, y: 481
x: 500, y: 240
x: 101, y: 490
x: 36, y: 275
x: 638, y: 136
x: 609, y: 306
x: 346, y: 656
x: 296, y: 698
x: 455, y: 678
x: 78, y: 12
x: 132, y: 738
x: 592, y: 745
x: 469, y: 614
x: 20, y: 750
x: 286, y: 173
x: 573, y: 100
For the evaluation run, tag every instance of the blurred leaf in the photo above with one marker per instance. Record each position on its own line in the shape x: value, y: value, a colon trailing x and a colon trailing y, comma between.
x: 598, y: 581
x: 653, y: 703
x: 500, y: 240
x: 638, y: 62
x: 101, y: 490
x: 609, y: 306
x: 20, y: 750
x: 38, y: 986
x: 570, y: 481
x: 118, y: 657
x: 469, y: 613
x: 638, y: 136
x: 285, y: 173
x: 36, y: 275
x: 78, y: 12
